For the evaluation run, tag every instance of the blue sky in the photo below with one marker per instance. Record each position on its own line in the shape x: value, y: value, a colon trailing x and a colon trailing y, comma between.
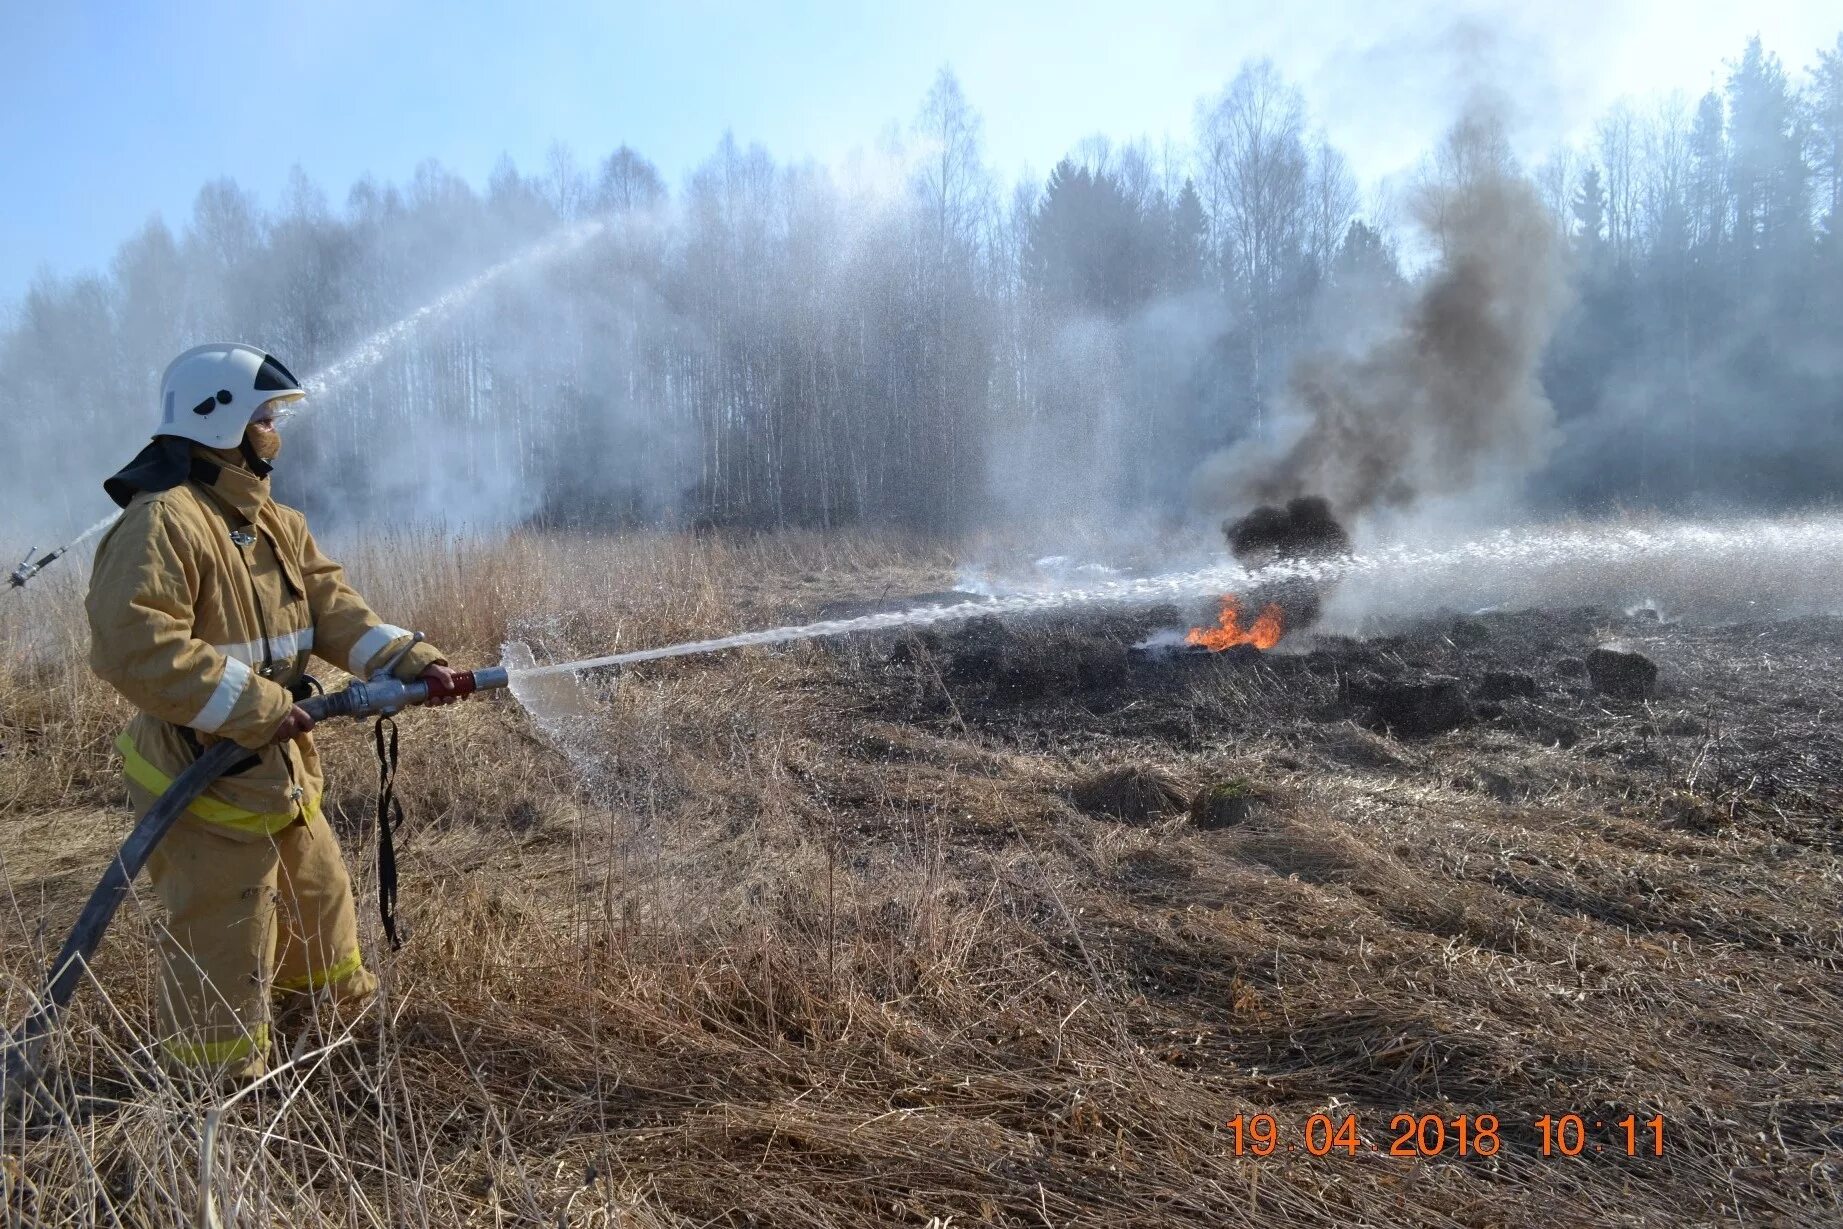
x: 112, y: 112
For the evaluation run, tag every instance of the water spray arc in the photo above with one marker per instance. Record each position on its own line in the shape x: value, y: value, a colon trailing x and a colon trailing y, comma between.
x: 363, y: 357
x: 1686, y: 548
x: 372, y: 351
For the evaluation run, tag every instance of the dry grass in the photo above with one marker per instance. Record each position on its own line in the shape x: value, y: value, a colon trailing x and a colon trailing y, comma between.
x: 815, y: 937
x: 1136, y: 793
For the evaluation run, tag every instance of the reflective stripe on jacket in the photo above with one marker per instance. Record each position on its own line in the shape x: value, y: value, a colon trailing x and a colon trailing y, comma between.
x: 205, y: 603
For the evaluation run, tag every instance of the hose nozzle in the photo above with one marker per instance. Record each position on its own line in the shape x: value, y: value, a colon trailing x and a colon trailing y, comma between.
x: 28, y: 567
x: 386, y: 695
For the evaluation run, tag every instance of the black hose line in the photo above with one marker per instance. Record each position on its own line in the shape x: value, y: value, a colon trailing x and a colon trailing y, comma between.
x: 24, y: 1048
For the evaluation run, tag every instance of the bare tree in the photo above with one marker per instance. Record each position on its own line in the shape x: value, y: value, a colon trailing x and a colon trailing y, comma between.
x: 628, y: 182
x: 950, y: 178
x: 1133, y: 171
x: 1665, y: 175
x: 1618, y: 142
x: 1095, y: 152
x: 564, y: 182
x: 1555, y: 181
x: 1333, y: 203
x: 1475, y: 148
x: 1255, y: 171
x: 954, y: 191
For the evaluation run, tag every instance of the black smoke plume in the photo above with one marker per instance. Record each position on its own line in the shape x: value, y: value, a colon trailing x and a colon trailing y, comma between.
x: 1303, y: 530
x: 1448, y: 399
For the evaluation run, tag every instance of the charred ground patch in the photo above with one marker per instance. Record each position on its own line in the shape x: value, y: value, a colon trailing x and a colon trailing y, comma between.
x: 1558, y: 890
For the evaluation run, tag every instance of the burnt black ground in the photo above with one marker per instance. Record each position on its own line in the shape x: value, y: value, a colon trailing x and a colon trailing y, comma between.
x: 1557, y: 899
x: 1741, y: 711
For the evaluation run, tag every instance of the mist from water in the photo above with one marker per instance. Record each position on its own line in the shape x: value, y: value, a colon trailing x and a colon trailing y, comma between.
x: 379, y: 346
x: 900, y: 344
x: 1696, y: 570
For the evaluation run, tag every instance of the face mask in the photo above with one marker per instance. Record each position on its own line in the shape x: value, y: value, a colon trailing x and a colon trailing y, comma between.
x: 265, y: 444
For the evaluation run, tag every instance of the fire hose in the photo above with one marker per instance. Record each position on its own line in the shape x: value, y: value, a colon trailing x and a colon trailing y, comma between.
x: 379, y: 696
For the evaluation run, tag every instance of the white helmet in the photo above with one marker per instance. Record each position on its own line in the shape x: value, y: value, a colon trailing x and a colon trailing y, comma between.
x: 210, y: 393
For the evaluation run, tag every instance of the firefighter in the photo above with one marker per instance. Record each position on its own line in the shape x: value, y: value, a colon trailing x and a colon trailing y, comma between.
x: 206, y: 601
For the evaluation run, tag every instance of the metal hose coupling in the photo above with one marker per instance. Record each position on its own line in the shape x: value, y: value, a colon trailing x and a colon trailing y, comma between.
x: 381, y: 697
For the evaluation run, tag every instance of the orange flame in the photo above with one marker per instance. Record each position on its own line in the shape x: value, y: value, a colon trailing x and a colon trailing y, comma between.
x: 1263, y: 633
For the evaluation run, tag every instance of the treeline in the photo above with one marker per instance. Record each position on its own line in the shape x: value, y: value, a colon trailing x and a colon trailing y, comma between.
x: 905, y: 342
x: 1703, y: 363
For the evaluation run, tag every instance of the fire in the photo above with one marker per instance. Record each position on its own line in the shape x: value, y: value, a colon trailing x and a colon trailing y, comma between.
x: 1263, y: 633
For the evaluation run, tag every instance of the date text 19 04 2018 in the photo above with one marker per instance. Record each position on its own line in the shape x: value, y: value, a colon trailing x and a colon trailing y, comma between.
x: 1433, y: 1135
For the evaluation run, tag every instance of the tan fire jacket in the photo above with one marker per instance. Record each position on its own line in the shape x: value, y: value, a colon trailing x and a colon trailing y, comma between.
x: 205, y: 604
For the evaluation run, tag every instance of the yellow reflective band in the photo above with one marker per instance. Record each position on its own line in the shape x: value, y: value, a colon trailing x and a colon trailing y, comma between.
x: 323, y: 977
x: 217, y: 1053
x: 212, y: 811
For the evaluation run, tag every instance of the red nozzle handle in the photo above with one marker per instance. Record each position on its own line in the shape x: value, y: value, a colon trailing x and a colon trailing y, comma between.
x: 466, y: 682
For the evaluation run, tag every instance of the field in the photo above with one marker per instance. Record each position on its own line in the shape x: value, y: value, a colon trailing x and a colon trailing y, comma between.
x: 998, y: 924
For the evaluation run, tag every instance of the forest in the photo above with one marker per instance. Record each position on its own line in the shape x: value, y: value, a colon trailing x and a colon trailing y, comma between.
x: 912, y: 341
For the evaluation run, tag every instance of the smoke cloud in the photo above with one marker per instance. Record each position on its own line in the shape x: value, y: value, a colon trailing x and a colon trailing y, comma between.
x: 1449, y: 398
x: 903, y: 344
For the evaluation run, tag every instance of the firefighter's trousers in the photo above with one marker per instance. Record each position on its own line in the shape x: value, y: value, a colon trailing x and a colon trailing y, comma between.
x: 249, y: 917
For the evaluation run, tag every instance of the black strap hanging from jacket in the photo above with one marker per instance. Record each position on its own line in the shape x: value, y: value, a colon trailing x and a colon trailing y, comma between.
x: 390, y: 814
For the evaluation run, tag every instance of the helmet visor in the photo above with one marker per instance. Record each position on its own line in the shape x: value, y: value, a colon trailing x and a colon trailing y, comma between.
x: 275, y: 407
